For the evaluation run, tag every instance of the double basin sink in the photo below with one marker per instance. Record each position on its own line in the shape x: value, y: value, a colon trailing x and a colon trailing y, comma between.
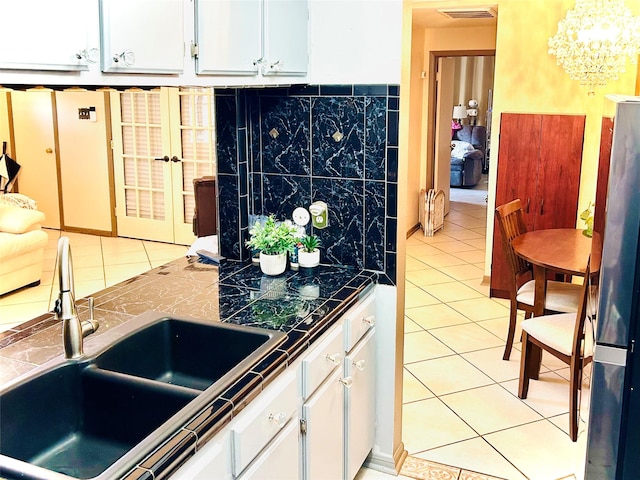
x: 98, y: 416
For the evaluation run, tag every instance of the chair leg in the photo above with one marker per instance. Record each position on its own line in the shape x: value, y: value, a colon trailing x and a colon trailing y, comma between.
x: 574, y: 389
x: 523, y: 385
x: 513, y: 316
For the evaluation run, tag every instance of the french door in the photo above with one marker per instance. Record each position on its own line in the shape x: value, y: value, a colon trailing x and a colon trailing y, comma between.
x: 162, y: 139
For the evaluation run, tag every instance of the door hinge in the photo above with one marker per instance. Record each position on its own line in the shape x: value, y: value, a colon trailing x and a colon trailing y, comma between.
x: 194, y: 50
x: 303, y: 426
x: 111, y: 143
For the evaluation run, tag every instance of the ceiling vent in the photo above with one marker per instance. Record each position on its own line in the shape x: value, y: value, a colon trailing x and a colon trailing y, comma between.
x: 484, y: 12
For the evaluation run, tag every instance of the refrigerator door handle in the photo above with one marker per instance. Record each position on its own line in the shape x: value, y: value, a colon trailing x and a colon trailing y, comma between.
x: 610, y: 355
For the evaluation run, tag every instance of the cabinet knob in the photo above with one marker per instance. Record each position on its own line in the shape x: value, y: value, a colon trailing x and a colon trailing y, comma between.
x: 127, y: 58
x: 175, y: 159
x: 346, y: 381
x: 334, y: 358
x: 360, y: 364
x: 370, y: 320
x: 49, y: 150
x: 280, y: 419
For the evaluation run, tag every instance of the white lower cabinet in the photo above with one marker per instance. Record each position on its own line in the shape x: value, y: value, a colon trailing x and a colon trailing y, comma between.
x: 211, y: 461
x: 279, y: 460
x: 360, y: 405
x: 323, y: 427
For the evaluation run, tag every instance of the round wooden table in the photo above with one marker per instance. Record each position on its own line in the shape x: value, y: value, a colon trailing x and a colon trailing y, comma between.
x: 561, y: 250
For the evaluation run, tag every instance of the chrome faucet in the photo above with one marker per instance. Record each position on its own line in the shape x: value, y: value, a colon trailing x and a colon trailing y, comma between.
x: 73, y: 331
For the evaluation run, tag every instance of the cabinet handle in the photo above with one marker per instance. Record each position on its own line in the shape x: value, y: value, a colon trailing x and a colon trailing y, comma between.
x: 175, y: 159
x: 542, y: 207
x: 163, y: 159
x: 370, y: 320
x: 346, y: 381
x: 528, y: 203
x: 334, y: 358
x: 360, y: 364
x: 280, y: 419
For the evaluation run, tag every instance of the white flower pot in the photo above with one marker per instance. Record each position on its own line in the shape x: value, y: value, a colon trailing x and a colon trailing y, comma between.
x: 273, y: 264
x: 306, y: 259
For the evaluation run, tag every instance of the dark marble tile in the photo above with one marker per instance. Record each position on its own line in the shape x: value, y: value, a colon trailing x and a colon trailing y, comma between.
x: 375, y: 138
x: 336, y: 90
x: 391, y: 267
x: 282, y: 194
x: 232, y: 299
x: 300, y: 90
x: 210, y: 420
x: 394, y: 103
x: 243, y: 178
x: 321, y: 281
x: 256, y: 207
x: 242, y: 391
x: 392, y: 164
x: 392, y: 128
x: 370, y: 90
x: 296, y: 343
x: 392, y: 199
x: 272, y: 364
x: 229, y: 219
x: 226, y: 134
x: 338, y: 137
x: 276, y: 310
x: 394, y: 90
x: 251, y: 277
x: 374, y: 225
x: 392, y: 235
x: 285, y: 135
x: 343, y: 239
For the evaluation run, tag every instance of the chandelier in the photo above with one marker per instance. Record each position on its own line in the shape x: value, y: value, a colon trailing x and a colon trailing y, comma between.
x: 594, y: 40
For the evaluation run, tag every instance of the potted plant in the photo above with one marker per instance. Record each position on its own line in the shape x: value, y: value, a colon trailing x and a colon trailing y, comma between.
x: 309, y: 251
x: 274, y: 240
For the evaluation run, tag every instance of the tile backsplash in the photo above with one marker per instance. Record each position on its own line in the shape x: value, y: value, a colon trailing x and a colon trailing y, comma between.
x: 280, y: 148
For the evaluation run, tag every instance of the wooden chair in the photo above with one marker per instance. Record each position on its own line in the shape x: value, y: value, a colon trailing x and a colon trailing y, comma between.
x: 563, y: 336
x: 561, y: 297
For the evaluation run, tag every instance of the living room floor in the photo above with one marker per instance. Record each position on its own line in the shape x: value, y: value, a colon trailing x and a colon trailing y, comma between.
x: 461, y: 414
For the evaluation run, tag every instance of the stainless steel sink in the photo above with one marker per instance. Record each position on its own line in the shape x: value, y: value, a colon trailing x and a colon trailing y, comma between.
x: 98, y: 416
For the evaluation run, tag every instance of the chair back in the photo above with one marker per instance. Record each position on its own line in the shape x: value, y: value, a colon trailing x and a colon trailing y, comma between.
x: 583, y: 310
x: 510, y: 218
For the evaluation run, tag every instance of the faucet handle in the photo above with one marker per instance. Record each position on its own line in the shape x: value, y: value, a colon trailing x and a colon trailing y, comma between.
x: 91, y: 302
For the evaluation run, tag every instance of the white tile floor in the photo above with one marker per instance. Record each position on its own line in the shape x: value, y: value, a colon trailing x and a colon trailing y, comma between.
x: 460, y: 403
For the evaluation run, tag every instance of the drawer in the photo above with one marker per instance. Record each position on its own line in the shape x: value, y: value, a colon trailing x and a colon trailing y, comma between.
x: 358, y: 320
x: 323, y: 359
x: 257, y: 424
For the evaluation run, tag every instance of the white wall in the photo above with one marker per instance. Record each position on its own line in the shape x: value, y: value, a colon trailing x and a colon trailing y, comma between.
x: 350, y: 41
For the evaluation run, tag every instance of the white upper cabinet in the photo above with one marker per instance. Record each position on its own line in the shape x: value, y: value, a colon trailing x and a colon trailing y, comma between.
x: 286, y: 27
x: 228, y: 34
x: 142, y: 36
x: 252, y: 37
x: 46, y: 35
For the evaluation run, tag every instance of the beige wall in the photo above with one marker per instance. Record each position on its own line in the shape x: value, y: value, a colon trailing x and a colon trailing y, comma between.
x: 527, y: 80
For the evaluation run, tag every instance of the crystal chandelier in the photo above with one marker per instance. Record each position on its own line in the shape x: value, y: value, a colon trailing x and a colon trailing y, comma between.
x: 594, y: 40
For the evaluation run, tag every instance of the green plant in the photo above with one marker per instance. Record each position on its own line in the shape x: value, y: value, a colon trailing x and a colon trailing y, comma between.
x: 272, y: 238
x: 310, y: 243
x: 587, y: 217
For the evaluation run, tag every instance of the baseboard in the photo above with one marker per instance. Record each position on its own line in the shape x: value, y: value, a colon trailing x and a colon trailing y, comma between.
x: 387, y: 463
x: 413, y: 230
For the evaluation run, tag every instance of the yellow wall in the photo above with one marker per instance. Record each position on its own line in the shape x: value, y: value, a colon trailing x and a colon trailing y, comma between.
x: 528, y: 80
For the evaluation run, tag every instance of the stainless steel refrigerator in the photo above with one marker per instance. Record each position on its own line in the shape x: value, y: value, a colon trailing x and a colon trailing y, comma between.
x: 613, y: 440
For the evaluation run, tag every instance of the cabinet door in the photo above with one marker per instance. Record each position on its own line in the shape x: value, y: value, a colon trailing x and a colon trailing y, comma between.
x: 228, y: 35
x: 210, y: 461
x: 323, y: 443
x: 360, y: 405
x: 279, y: 460
x: 286, y: 37
x: 558, y: 183
x: 143, y: 36
x: 46, y: 35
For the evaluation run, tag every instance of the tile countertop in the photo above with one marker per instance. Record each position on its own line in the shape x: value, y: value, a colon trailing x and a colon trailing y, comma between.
x: 302, y: 304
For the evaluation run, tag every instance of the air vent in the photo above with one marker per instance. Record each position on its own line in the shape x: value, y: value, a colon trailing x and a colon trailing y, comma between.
x: 468, y: 12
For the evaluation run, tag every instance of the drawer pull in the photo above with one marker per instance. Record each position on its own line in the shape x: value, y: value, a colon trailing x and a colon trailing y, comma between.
x: 280, y: 419
x: 370, y: 320
x: 360, y: 364
x: 346, y: 381
x: 335, y: 358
